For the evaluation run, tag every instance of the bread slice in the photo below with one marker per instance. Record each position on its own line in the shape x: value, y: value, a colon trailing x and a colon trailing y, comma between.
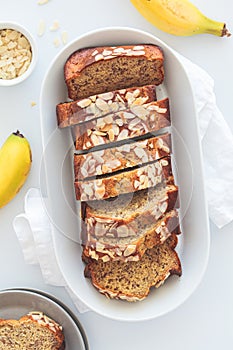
x: 95, y: 70
x: 79, y: 111
x: 130, y: 241
x: 121, y: 126
x: 129, y: 181
x: 32, y: 331
x: 133, y: 280
x: 126, y: 156
x: 123, y: 216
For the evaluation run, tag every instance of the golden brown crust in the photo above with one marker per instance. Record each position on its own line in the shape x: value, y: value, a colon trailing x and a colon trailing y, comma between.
x: 153, y: 117
x: 144, y: 210
x: 99, y: 248
x: 118, y: 158
x: 124, y: 182
x: 111, y: 68
x: 75, y: 112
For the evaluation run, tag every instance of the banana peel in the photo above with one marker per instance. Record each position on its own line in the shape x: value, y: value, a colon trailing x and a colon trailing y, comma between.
x: 15, y: 164
x: 179, y: 17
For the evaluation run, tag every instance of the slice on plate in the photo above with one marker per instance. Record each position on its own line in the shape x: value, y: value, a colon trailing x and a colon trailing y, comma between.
x: 32, y: 331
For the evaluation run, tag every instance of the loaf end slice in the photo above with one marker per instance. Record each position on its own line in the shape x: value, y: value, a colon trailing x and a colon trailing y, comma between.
x: 132, y: 281
x: 91, y: 71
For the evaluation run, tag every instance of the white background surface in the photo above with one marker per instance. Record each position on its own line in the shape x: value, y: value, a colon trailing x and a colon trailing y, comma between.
x: 205, y: 320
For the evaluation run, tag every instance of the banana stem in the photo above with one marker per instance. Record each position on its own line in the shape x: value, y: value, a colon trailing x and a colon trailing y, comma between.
x: 17, y: 133
x: 216, y: 28
x: 225, y: 31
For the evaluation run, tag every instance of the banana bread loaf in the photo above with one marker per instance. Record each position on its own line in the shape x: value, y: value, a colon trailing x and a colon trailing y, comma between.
x: 133, y: 122
x: 79, y: 111
x: 133, y: 280
x: 129, y: 181
x: 109, y: 160
x: 91, y: 71
x: 32, y: 331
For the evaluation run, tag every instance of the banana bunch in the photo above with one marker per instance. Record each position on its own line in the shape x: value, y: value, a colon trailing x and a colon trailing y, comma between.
x: 179, y: 17
x: 15, y: 164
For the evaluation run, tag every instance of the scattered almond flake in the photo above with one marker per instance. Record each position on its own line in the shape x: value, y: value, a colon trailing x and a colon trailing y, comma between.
x: 42, y: 2
x: 33, y: 103
x: 56, y: 42
x: 41, y: 28
x: 94, y: 53
x: 64, y: 37
x: 55, y: 26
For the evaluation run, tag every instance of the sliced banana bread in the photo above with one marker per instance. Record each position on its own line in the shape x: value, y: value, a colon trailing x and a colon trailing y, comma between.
x: 127, y: 156
x: 107, y: 186
x: 133, y: 280
x: 32, y: 331
x: 79, y: 111
x: 90, y: 71
x: 120, y: 216
x: 129, y: 242
x: 133, y: 122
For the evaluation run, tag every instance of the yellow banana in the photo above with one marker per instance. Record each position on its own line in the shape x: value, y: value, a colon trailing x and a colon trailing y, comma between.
x: 179, y: 17
x: 15, y: 164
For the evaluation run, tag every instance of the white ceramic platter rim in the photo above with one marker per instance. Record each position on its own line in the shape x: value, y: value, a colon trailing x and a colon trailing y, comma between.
x: 195, y: 209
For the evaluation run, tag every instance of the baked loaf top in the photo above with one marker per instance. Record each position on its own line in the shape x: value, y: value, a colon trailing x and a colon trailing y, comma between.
x: 133, y: 122
x: 122, y: 157
x: 133, y: 280
x: 129, y: 242
x: 124, y: 182
x: 32, y: 331
x: 91, y: 71
x: 79, y: 111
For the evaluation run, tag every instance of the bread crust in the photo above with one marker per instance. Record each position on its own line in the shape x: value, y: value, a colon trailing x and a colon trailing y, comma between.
x: 79, y: 111
x: 122, y: 157
x: 124, y: 182
x: 121, y: 126
x: 132, y: 248
x: 148, y: 210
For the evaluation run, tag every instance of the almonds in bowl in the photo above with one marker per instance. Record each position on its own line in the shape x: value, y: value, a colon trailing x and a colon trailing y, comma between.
x: 18, y: 53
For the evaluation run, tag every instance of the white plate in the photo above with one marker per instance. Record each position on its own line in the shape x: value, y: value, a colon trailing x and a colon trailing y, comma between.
x: 57, y: 183
x: 16, y: 303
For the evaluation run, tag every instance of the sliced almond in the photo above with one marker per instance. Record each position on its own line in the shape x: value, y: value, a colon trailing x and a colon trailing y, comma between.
x: 131, y: 249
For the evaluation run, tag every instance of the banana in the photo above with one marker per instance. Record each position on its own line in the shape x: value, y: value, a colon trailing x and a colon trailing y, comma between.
x: 15, y: 164
x: 179, y: 17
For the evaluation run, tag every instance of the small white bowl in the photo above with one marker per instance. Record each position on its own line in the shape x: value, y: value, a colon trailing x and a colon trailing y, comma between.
x: 29, y: 37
